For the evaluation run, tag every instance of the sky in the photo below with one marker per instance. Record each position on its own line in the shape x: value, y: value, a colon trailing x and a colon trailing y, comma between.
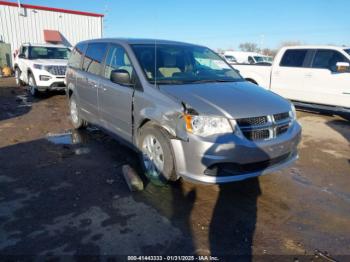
x: 221, y: 23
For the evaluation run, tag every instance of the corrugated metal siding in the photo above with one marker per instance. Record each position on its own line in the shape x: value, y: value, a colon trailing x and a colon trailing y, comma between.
x: 17, y: 29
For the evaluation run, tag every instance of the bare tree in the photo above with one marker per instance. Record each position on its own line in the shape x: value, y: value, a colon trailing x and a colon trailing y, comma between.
x: 290, y: 43
x: 220, y: 51
x: 249, y: 47
x: 269, y: 52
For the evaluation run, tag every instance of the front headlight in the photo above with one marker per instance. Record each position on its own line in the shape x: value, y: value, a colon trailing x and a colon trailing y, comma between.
x: 293, y: 112
x: 207, y: 125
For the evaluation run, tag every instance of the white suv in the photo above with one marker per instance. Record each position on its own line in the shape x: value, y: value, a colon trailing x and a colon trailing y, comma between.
x: 41, y: 66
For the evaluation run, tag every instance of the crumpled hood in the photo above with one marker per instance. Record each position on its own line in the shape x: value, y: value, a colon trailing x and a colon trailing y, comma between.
x: 231, y: 99
x: 45, y: 62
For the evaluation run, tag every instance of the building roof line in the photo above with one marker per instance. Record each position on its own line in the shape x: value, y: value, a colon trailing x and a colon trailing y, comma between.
x: 53, y: 9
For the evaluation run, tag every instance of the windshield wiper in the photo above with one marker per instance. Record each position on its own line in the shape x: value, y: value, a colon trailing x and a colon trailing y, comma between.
x: 212, y: 81
x: 184, y: 82
x: 167, y: 82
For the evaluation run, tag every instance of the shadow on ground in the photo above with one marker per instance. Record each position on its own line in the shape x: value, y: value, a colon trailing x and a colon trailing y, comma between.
x: 14, y: 102
x: 70, y: 199
x: 342, y: 127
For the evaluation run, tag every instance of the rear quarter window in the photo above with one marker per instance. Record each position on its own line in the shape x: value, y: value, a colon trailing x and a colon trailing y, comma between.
x: 294, y: 58
x: 76, y: 56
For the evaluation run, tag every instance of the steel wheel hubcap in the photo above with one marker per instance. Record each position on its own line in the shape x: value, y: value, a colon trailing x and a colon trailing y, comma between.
x: 74, y: 111
x: 153, y: 156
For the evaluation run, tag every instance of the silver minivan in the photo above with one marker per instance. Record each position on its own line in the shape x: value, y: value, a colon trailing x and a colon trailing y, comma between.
x: 183, y: 107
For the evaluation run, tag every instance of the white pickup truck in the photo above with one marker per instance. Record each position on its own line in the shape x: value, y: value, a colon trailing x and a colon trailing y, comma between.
x: 312, y: 76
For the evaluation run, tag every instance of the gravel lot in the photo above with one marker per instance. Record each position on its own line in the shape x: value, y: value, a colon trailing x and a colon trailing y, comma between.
x: 66, y: 195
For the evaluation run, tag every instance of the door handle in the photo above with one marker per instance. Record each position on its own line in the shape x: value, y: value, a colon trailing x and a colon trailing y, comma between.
x: 308, y: 75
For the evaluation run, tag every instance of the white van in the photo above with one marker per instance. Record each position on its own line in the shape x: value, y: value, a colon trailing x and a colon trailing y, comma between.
x: 247, y: 57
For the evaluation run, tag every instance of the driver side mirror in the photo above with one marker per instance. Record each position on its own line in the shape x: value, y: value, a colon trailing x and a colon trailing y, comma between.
x: 21, y: 56
x: 121, y: 77
x: 343, y: 67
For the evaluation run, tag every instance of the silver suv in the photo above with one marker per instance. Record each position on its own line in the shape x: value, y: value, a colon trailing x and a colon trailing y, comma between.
x: 183, y: 107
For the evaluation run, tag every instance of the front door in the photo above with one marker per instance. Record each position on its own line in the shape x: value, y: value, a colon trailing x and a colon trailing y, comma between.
x: 287, y: 78
x: 326, y: 85
x: 23, y: 63
x: 115, y: 101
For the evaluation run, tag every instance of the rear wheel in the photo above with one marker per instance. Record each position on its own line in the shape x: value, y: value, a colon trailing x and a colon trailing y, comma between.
x: 77, y: 121
x: 157, y: 156
x: 33, y: 90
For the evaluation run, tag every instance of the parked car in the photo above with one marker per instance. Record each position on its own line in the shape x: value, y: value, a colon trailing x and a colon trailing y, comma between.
x: 181, y: 105
x: 41, y: 66
x: 242, y: 57
x: 312, y: 76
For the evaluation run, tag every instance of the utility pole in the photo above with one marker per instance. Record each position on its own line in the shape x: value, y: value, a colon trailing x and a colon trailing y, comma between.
x: 262, y: 38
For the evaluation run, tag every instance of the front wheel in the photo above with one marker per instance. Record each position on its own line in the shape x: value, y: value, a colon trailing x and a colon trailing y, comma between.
x: 32, y: 86
x: 157, y: 156
x: 19, y: 82
x: 77, y: 121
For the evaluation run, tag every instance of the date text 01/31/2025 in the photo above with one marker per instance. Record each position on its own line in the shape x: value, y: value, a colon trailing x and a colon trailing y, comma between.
x: 173, y: 258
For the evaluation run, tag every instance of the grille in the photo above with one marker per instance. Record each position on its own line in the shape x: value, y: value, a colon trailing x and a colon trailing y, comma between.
x: 257, y: 134
x: 252, y: 121
x: 264, y: 127
x: 281, y: 116
x: 57, y: 70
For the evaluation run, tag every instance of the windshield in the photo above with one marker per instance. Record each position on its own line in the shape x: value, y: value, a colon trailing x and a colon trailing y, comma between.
x: 347, y: 50
x: 230, y: 57
x: 181, y: 64
x: 41, y: 52
x: 267, y: 58
x: 259, y: 59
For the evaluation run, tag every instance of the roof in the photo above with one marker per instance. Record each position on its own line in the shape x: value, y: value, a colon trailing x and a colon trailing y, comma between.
x: 43, y: 45
x: 46, y: 8
x: 132, y: 41
x: 316, y: 47
x: 242, y: 52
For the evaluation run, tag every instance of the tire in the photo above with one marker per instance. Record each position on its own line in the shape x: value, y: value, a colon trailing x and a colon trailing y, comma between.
x: 33, y: 90
x: 19, y: 82
x: 346, y: 116
x: 76, y: 120
x: 150, y: 139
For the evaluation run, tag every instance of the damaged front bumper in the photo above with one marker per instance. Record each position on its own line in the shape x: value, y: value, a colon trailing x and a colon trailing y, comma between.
x: 232, y: 158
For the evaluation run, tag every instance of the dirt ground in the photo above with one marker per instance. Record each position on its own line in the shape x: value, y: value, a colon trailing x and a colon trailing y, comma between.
x: 62, y: 193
